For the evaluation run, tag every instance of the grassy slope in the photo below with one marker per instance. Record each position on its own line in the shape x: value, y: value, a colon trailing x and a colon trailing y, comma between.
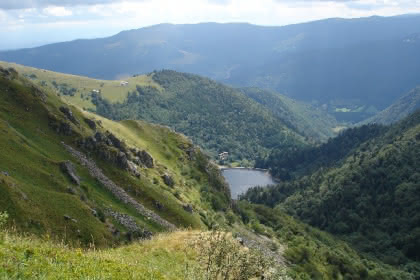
x: 34, y: 190
x: 111, y: 90
x: 163, y: 257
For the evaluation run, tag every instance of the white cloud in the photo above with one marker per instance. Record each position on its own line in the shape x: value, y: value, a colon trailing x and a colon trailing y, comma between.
x: 57, y: 11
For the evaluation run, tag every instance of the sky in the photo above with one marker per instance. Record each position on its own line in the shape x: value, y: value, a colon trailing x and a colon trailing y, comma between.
x: 29, y: 23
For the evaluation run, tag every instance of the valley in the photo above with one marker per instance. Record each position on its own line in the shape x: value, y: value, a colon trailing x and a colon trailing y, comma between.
x: 212, y: 151
x: 111, y: 193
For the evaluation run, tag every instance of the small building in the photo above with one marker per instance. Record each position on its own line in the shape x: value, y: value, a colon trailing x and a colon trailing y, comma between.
x: 124, y: 83
x: 223, y: 155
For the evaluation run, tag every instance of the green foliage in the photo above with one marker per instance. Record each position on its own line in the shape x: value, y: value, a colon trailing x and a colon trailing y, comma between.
x: 314, y: 254
x: 368, y: 194
x: 3, y: 219
x: 220, y: 257
x: 289, y: 163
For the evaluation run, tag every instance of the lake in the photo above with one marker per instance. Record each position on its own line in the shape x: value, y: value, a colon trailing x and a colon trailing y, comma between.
x: 241, y: 179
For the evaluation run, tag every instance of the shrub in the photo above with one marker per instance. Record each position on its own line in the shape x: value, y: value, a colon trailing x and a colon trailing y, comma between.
x: 223, y: 258
x: 3, y: 219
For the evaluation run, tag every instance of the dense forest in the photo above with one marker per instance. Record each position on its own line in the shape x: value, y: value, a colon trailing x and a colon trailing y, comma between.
x: 290, y: 163
x: 229, y: 121
x: 367, y: 191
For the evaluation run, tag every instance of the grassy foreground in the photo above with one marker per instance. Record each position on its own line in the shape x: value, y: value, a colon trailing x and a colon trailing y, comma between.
x: 164, y: 257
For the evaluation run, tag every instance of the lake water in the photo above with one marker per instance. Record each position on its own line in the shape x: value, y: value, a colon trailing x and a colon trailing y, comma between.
x: 241, y: 179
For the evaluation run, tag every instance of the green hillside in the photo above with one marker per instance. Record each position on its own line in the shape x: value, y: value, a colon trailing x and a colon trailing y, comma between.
x: 401, y: 108
x: 292, y: 163
x: 216, y: 117
x: 74, y: 183
x: 83, y: 178
x: 368, y: 196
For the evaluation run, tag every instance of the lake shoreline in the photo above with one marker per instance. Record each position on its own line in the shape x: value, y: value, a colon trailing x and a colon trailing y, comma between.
x: 221, y: 167
x: 240, y: 179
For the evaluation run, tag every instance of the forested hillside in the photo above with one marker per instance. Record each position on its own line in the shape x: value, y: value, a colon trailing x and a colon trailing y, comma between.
x: 369, y: 196
x: 291, y: 163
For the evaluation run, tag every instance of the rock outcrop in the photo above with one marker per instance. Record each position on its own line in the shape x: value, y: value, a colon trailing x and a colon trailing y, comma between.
x: 188, y: 208
x: 59, y: 126
x: 117, y: 191
x: 69, y: 114
x: 68, y: 168
x: 90, y: 123
x: 167, y: 179
x: 109, y: 148
x: 143, y: 158
x: 128, y: 222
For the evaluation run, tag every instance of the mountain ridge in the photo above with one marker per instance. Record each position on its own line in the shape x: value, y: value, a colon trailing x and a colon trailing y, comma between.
x: 285, y: 59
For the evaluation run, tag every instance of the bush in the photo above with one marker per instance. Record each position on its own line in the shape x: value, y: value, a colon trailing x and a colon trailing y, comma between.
x: 222, y: 257
x: 3, y: 219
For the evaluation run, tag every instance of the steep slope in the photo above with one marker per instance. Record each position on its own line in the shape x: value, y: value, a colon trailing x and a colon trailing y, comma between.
x: 309, y: 121
x: 354, y: 66
x: 86, y: 179
x: 370, y: 196
x: 72, y: 177
x: 401, y: 108
x: 216, y: 117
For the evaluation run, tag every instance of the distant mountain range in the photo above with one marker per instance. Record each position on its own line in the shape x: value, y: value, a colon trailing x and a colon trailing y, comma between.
x: 353, y: 67
x: 401, y: 108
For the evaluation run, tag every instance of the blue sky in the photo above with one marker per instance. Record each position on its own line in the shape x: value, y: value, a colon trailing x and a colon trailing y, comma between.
x: 28, y: 23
